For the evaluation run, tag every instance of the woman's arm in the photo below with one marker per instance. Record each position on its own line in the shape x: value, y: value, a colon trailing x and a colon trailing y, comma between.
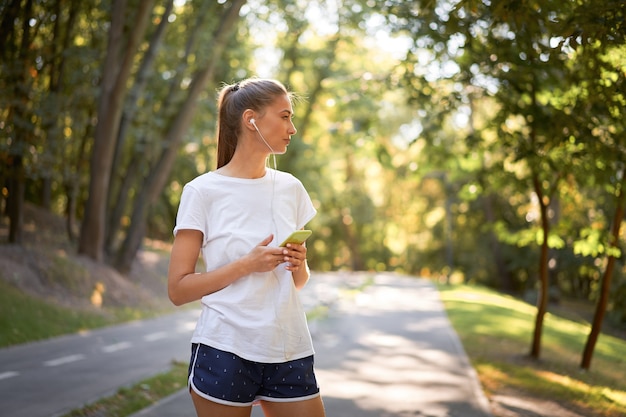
x: 185, y: 285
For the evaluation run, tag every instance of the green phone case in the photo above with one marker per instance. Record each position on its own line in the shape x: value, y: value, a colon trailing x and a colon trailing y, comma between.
x: 299, y: 236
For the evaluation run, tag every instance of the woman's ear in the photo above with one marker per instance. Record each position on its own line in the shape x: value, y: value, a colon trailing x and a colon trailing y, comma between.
x: 248, y: 119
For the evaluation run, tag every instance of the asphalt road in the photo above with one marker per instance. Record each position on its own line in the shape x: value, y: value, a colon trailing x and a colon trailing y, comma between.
x: 51, y: 378
x: 385, y: 349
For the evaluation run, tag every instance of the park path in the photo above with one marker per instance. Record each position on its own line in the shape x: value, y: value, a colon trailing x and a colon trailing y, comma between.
x: 385, y: 349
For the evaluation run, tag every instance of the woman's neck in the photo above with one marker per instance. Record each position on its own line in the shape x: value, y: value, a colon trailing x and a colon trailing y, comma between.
x: 244, y: 168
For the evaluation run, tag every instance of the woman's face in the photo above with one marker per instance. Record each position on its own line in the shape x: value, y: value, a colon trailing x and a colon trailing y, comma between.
x: 276, y: 124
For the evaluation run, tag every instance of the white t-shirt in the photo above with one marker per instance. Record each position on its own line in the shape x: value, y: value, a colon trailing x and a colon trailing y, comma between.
x: 258, y: 317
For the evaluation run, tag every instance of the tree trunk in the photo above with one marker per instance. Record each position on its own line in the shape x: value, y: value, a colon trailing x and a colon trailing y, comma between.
x: 352, y: 238
x: 135, y: 167
x: 59, y: 42
x: 542, y: 296
x: 160, y: 172
x: 116, y: 72
x: 18, y: 113
x: 503, y: 278
x: 605, y: 289
x: 15, y: 203
x: 72, y: 181
x: 132, y: 174
x: 118, y: 195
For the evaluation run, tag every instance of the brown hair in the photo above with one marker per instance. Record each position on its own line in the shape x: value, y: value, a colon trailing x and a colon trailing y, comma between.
x: 233, y: 100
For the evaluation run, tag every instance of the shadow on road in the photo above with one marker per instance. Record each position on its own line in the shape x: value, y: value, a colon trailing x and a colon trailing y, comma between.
x: 390, y: 351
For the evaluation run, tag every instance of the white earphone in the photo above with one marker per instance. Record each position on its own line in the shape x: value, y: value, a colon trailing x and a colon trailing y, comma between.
x: 253, y: 123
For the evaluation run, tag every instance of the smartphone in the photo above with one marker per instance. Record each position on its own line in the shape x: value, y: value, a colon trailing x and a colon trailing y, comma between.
x: 299, y: 236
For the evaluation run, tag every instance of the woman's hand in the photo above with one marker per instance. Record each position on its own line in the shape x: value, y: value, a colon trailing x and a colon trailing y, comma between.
x: 295, y: 254
x: 263, y: 258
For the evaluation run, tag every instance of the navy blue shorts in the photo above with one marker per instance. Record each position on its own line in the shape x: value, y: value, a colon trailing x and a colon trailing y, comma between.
x: 228, y: 379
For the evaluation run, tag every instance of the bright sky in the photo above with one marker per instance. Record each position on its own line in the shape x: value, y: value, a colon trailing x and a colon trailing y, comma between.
x: 323, y: 18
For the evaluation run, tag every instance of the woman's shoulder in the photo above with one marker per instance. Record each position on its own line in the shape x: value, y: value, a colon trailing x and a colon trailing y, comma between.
x: 286, y: 176
x: 289, y: 182
x: 203, y: 180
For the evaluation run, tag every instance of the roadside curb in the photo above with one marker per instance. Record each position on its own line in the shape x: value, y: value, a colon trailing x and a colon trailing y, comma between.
x: 161, y: 403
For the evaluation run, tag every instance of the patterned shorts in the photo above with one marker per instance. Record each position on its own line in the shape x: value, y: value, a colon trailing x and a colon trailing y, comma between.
x: 226, y: 378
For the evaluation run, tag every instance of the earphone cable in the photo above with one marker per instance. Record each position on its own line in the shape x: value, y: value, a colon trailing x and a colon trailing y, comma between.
x: 275, y: 226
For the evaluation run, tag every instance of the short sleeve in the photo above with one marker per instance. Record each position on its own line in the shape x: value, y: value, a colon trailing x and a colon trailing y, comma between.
x: 191, y: 211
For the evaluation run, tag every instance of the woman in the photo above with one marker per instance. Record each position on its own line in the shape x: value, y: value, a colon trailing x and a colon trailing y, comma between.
x: 251, y: 343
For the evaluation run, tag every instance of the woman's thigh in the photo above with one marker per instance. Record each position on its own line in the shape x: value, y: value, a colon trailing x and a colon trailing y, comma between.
x: 307, y: 408
x: 207, y: 408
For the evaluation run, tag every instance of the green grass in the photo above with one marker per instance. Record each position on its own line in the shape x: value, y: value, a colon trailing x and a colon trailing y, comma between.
x: 496, y: 332
x: 130, y: 400
x: 25, y: 319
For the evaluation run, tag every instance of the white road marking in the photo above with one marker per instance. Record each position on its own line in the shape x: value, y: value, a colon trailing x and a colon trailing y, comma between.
x: 152, y: 337
x: 116, y: 346
x: 9, y: 374
x: 64, y: 359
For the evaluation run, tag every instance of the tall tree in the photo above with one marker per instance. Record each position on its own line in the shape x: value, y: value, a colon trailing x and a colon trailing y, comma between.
x: 160, y: 171
x: 601, y: 78
x: 124, y: 41
x: 607, y: 276
x: 122, y: 178
x: 17, y: 56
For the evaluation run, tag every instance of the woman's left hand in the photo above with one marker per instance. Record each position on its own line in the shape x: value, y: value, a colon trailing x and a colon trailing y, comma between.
x: 295, y: 255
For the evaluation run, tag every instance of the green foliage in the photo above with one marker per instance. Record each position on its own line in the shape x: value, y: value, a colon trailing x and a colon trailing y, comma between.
x: 422, y: 126
x: 592, y: 242
x: 551, y: 119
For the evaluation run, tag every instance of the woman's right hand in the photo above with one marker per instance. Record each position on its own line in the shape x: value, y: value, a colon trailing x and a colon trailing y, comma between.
x: 263, y: 258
